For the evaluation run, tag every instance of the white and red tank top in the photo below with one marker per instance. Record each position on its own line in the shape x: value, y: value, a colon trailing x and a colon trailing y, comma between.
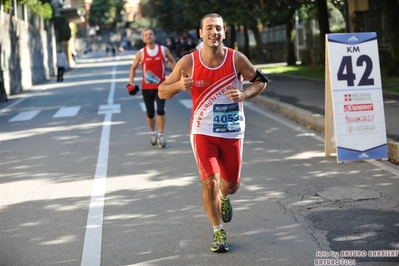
x: 214, y: 114
x: 153, y: 66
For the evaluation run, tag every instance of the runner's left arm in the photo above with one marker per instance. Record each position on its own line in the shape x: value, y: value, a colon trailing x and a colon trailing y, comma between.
x: 248, y: 71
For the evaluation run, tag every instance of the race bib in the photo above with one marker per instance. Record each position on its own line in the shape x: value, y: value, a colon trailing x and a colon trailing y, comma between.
x: 151, y: 78
x: 226, y: 118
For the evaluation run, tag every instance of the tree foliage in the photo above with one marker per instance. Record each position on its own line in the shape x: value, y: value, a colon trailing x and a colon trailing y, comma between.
x: 282, y: 12
x: 40, y: 8
x: 161, y: 11
x: 188, y: 14
x: 391, y: 9
x: 182, y: 16
x: 102, y: 13
x: 61, y: 26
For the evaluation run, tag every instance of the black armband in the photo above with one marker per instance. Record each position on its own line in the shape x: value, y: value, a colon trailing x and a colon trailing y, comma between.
x: 260, y: 76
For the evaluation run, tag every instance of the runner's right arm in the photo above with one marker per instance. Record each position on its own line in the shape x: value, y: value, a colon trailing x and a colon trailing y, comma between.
x: 133, y: 68
x: 179, y: 79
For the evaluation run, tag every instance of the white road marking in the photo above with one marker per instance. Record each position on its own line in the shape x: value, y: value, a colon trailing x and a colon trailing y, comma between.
x: 187, y: 103
x: 142, y: 106
x: 72, y: 111
x: 144, y: 109
x: 9, y: 107
x: 67, y: 112
x: 91, y: 255
x: 24, y: 116
x: 107, y: 108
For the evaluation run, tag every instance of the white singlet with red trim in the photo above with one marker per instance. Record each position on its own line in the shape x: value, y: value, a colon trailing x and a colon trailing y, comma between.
x: 213, y: 114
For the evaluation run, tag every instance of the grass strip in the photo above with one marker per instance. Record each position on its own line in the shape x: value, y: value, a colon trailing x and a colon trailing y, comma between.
x: 390, y: 84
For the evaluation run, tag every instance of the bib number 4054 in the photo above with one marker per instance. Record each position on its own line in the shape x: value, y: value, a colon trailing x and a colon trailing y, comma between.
x: 345, y: 71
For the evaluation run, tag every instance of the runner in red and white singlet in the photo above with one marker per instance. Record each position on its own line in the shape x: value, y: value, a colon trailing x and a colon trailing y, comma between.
x: 152, y: 58
x: 213, y: 113
x: 212, y: 75
x: 153, y: 64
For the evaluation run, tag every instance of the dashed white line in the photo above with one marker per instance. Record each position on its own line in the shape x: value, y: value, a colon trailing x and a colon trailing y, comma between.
x: 67, y: 112
x: 25, y: 116
x: 187, y: 103
x: 91, y: 255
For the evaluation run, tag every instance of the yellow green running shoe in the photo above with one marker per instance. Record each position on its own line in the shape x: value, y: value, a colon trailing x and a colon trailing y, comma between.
x: 219, y: 242
x: 227, y: 210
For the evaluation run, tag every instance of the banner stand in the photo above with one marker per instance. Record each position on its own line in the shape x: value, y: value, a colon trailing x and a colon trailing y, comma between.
x: 354, y: 107
x: 328, y: 108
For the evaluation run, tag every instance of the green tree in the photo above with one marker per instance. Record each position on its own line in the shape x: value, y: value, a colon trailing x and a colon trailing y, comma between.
x: 324, y: 25
x: 242, y: 14
x: 252, y: 13
x: 338, y: 23
x: 187, y: 15
x: 391, y: 10
x: 62, y: 29
x: 282, y: 12
x: 102, y: 13
x: 40, y: 8
x: 160, y: 11
x: 119, y: 11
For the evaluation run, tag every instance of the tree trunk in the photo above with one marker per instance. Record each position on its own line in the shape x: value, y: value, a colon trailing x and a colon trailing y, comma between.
x: 232, y: 36
x: 391, y: 10
x: 246, y: 46
x: 324, y: 25
x: 289, y: 40
x: 259, y: 44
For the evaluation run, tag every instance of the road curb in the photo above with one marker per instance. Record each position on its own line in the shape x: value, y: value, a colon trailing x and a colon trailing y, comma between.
x: 311, y: 120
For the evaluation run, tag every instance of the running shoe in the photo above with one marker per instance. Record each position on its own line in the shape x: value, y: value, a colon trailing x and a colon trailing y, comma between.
x: 219, y: 242
x: 153, y: 140
x: 161, y: 141
x: 227, y: 210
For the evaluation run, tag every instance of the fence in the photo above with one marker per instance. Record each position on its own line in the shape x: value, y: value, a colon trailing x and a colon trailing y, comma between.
x: 307, y: 36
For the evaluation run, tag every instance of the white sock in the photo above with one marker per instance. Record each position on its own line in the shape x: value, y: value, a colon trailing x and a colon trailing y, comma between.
x: 217, y: 227
x: 160, y: 134
x: 154, y: 132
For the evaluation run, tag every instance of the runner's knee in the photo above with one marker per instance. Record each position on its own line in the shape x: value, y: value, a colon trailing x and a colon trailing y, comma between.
x: 211, y: 183
x: 229, y: 188
x: 150, y: 114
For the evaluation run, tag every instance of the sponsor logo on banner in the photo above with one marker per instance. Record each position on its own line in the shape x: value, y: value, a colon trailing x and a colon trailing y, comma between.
x: 361, y: 129
x: 201, y: 83
x: 363, y: 155
x: 357, y: 97
x: 358, y: 107
x: 359, y: 119
x: 350, y: 129
x: 353, y: 39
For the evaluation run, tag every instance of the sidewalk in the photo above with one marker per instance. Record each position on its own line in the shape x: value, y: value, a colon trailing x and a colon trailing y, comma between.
x: 302, y: 100
x: 299, y: 99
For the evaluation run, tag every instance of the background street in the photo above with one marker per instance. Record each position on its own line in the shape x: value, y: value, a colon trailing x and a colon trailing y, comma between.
x: 81, y: 185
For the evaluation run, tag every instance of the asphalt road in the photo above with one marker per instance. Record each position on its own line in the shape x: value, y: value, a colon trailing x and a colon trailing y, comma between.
x: 80, y: 185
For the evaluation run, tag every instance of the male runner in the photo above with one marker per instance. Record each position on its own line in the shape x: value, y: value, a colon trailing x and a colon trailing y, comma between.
x: 213, y: 77
x: 153, y: 63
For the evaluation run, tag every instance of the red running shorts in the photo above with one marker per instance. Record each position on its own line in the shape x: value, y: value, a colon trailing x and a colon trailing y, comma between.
x: 217, y: 155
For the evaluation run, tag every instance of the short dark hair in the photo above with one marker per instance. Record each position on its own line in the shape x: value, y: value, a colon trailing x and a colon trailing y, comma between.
x: 142, y: 33
x: 212, y: 15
